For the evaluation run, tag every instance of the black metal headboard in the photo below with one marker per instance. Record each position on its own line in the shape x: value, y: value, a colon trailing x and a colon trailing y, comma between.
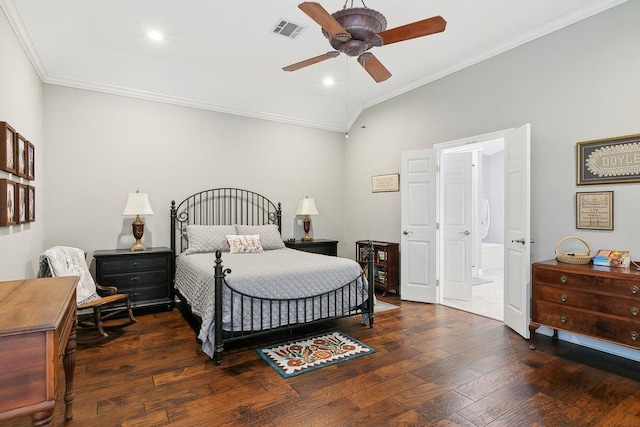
x: 221, y: 206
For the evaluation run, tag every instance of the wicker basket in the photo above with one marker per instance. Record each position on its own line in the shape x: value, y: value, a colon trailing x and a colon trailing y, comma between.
x: 574, y: 258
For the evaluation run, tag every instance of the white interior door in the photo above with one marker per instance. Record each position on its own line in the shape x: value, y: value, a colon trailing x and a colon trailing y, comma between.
x: 517, y: 274
x: 456, y: 172
x: 418, y: 221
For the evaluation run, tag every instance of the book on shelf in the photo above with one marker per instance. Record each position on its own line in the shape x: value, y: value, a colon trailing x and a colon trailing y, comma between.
x: 381, y: 255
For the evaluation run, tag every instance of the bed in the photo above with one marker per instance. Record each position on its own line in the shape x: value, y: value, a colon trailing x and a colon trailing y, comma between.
x: 234, y: 278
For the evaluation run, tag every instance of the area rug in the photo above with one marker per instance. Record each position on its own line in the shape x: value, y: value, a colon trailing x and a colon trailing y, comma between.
x: 381, y: 306
x: 308, y: 354
x: 480, y: 281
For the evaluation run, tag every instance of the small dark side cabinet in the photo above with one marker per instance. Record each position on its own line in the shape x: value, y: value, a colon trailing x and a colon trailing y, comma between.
x: 317, y: 246
x: 144, y: 275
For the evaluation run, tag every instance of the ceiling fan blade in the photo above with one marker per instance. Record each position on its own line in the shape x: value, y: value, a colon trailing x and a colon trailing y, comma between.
x: 422, y: 28
x: 311, y: 61
x: 374, y: 67
x: 325, y: 20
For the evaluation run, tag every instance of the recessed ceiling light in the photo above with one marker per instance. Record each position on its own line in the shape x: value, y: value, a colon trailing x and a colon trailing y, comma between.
x: 328, y: 81
x: 155, y: 35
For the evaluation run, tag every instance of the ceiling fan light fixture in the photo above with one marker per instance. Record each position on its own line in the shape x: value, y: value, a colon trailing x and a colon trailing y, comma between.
x: 155, y: 35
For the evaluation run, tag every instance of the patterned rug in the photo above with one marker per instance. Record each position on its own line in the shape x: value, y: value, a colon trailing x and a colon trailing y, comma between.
x: 308, y: 354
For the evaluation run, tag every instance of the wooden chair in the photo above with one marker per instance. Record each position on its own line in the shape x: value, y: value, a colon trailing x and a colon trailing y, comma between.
x: 96, y: 304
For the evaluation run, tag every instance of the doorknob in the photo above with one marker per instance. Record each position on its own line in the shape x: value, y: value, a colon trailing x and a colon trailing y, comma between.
x: 464, y: 233
x: 518, y: 241
x: 405, y: 232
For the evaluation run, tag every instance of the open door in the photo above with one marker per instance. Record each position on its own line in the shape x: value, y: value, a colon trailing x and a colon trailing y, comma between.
x: 418, y: 221
x: 456, y: 224
x: 517, y: 265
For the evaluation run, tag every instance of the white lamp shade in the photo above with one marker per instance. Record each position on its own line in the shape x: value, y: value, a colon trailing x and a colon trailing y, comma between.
x: 307, y: 206
x: 137, y: 204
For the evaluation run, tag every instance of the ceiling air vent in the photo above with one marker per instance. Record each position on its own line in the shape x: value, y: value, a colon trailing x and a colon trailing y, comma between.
x: 288, y: 29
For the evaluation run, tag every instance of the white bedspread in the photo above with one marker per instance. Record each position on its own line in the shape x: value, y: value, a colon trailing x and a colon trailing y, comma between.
x: 278, y: 274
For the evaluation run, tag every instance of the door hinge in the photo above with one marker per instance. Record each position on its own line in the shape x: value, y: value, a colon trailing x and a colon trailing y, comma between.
x: 437, y: 168
x: 437, y: 282
x: 437, y: 226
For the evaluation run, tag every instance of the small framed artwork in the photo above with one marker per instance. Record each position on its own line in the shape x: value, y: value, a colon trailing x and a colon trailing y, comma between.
x: 385, y: 183
x: 31, y: 203
x: 31, y: 161
x: 594, y: 210
x: 7, y: 202
x: 608, y: 161
x: 21, y: 203
x: 7, y: 148
x: 21, y: 156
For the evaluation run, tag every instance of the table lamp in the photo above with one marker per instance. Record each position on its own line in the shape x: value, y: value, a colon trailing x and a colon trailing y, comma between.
x: 137, y: 204
x: 306, y: 207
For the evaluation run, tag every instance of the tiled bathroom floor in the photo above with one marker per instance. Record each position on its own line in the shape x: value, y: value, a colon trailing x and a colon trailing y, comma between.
x: 487, y: 299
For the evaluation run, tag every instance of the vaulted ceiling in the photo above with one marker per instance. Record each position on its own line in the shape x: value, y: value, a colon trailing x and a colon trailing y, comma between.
x: 226, y: 57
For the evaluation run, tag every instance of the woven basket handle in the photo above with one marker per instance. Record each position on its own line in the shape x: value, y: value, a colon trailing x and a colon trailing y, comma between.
x: 590, y: 253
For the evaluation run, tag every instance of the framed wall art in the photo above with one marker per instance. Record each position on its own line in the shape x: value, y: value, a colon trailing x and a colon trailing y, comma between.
x: 385, y: 183
x: 594, y: 210
x: 7, y: 148
x: 31, y: 161
x: 21, y: 203
x: 608, y: 161
x: 21, y: 156
x: 7, y: 202
x: 31, y: 203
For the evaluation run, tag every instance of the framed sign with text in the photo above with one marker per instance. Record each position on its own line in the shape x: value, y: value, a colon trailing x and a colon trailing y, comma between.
x: 385, y: 183
x: 608, y: 161
x: 594, y: 210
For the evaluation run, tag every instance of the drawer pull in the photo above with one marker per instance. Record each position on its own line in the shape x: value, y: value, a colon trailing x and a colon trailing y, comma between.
x: 634, y: 336
x: 634, y: 311
x: 563, y: 279
x: 634, y: 289
x: 134, y: 278
x: 563, y: 318
x: 563, y: 298
x: 135, y: 264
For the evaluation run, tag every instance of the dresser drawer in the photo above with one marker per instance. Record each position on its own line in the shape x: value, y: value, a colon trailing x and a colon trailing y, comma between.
x: 146, y: 294
x: 565, y: 317
x: 130, y: 281
x: 133, y: 264
x: 563, y: 279
x: 566, y: 297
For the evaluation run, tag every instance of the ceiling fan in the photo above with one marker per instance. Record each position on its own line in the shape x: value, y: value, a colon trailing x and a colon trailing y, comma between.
x: 355, y: 30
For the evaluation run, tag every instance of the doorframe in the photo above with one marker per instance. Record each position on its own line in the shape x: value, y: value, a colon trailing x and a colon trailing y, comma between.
x: 440, y: 149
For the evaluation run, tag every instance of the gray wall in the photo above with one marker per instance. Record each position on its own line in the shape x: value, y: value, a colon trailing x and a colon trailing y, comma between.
x: 21, y: 107
x: 579, y: 83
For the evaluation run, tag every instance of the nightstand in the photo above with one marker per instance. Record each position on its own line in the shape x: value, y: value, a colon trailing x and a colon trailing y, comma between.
x: 144, y: 275
x: 317, y: 246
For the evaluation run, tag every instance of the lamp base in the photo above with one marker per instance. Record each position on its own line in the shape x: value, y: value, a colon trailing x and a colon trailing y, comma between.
x: 138, y: 231
x: 307, y: 226
x: 138, y: 246
x: 306, y: 238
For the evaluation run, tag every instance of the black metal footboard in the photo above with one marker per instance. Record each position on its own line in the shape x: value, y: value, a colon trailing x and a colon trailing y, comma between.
x: 258, y: 316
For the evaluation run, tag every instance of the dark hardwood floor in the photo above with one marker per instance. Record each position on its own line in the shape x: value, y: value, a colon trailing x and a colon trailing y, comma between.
x: 433, y: 366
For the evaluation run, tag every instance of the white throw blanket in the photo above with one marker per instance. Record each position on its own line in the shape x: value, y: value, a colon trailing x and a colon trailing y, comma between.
x: 67, y: 261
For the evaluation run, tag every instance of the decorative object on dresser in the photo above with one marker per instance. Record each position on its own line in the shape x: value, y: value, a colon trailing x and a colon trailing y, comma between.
x: 96, y: 303
x: 256, y: 293
x: 145, y: 275
x: 316, y: 246
x: 573, y: 257
x: 307, y: 207
x: 385, y: 264
x: 599, y: 302
x: 37, y: 329
x: 137, y: 204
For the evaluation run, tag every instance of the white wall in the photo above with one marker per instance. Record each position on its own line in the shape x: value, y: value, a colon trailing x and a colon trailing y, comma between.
x: 580, y: 83
x: 21, y: 107
x: 101, y: 147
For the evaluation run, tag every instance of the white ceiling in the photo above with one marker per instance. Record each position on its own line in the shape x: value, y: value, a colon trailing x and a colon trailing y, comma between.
x: 224, y: 57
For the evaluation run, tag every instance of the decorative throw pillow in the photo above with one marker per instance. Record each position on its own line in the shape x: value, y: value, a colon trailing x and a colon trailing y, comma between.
x: 244, y: 244
x: 269, y: 235
x: 208, y: 238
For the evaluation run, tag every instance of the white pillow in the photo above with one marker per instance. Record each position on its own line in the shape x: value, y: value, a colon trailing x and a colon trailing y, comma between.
x: 244, y: 244
x: 269, y: 235
x: 208, y: 238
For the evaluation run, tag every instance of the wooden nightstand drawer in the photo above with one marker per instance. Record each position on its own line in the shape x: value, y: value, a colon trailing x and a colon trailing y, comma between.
x: 318, y: 246
x: 144, y: 275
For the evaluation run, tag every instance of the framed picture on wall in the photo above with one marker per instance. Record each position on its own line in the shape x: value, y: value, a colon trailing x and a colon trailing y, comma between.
x: 7, y: 202
x: 31, y: 161
x: 7, y: 148
x: 31, y: 203
x: 594, y: 210
x: 21, y: 203
x: 21, y: 156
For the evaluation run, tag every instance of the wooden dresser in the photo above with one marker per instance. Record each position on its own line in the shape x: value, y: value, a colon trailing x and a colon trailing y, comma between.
x: 599, y: 302
x: 37, y: 328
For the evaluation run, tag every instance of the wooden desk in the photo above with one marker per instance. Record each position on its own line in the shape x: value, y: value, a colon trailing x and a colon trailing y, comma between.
x: 37, y: 328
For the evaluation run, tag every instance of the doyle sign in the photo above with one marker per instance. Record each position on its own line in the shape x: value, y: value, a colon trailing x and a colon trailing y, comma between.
x: 609, y: 161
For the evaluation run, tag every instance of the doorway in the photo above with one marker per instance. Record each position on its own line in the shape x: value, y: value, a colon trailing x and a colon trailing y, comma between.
x: 485, y: 201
